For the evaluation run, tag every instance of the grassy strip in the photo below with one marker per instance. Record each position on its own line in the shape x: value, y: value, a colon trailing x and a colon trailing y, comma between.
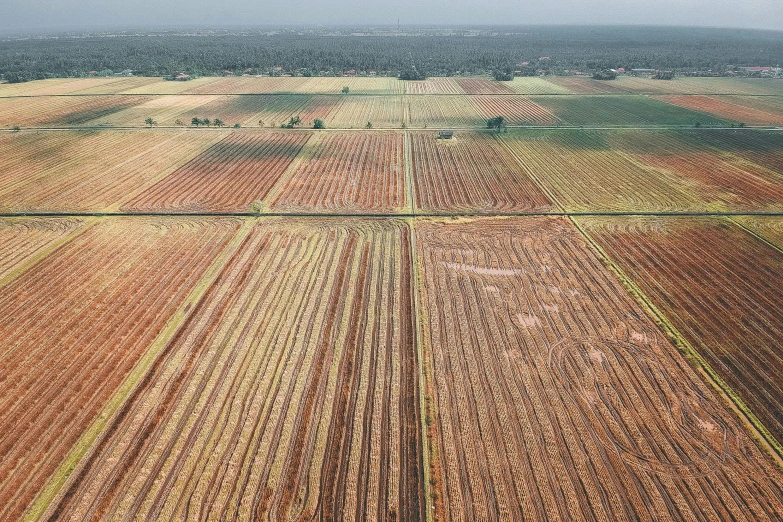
x: 424, y: 397
x: 55, y: 485
x: 54, y: 245
x: 757, y: 429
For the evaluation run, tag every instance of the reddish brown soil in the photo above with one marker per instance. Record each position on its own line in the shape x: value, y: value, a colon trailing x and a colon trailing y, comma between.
x: 555, y: 397
x: 73, y: 327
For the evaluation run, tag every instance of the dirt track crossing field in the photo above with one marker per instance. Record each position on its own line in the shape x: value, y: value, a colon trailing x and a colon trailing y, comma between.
x: 290, y: 394
x: 75, y: 324
x: 552, y: 396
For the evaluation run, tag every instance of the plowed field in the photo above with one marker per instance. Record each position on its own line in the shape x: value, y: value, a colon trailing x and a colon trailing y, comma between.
x: 484, y: 86
x: 552, y: 396
x: 471, y: 173
x: 290, y: 394
x: 517, y: 110
x: 90, y: 171
x: 347, y: 172
x: 227, y: 177
x: 442, y: 111
x: 729, y: 108
x: 62, y: 111
x: 75, y: 324
x: 721, y: 288
x: 22, y: 239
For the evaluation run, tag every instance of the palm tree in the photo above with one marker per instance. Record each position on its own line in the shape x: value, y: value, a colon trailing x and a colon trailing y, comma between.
x: 218, y: 122
x: 206, y: 122
x: 150, y: 122
x: 195, y: 121
x: 369, y: 125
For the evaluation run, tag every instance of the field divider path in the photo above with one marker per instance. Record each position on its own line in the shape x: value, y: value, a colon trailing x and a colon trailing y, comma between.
x: 57, y: 484
x: 419, y: 312
x: 543, y: 188
x: 756, y: 428
x: 307, y: 153
x: 22, y: 268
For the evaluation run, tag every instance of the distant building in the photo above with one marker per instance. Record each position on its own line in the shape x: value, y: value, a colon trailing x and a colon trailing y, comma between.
x: 126, y: 72
x: 446, y: 134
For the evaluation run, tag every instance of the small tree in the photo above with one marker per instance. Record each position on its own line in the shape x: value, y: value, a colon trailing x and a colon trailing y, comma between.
x: 404, y: 126
x: 15, y: 128
x: 346, y: 90
x: 498, y: 122
x: 319, y: 124
x: 369, y: 125
x: 261, y: 123
x: 606, y: 74
x: 195, y: 121
x: 150, y: 122
x: 179, y: 123
x: 236, y: 125
x: 206, y: 122
x: 293, y: 122
x: 218, y: 122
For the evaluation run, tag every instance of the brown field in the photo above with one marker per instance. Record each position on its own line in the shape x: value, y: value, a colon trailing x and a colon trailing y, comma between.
x: 226, y: 177
x: 22, y: 239
x: 347, y: 172
x: 62, y: 111
x: 484, y: 86
x: 720, y: 287
x: 171, y: 87
x: 291, y: 393
x: 764, y: 148
x: 353, y: 112
x: 367, y: 85
x: 442, y: 111
x: 517, y: 110
x: 586, y: 85
x: 434, y: 86
x: 109, y: 85
x: 165, y: 110
x: 471, y: 173
x: 768, y: 227
x: 552, y: 396
x: 585, y: 173
x: 724, y: 107
x: 73, y: 327
x: 247, y: 85
x: 90, y: 171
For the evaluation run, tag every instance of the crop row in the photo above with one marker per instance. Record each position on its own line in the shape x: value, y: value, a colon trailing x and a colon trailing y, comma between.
x: 74, y: 326
x: 348, y: 172
x: 290, y: 393
x: 553, y: 397
x: 227, y: 177
x: 720, y: 287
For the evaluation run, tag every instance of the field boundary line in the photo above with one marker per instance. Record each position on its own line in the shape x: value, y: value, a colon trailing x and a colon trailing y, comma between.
x: 755, y: 234
x: 306, y: 153
x: 528, y: 172
x: 425, y: 419
x: 46, y: 251
x: 57, y: 483
x: 755, y: 427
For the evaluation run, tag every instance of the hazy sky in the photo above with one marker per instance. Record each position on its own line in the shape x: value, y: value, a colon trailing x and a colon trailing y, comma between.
x: 20, y: 15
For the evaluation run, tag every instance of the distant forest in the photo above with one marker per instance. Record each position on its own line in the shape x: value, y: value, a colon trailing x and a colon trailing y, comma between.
x: 688, y: 50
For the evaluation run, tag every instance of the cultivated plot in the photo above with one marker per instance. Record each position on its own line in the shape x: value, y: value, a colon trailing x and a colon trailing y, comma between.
x: 90, y: 171
x: 722, y: 181
x: 536, y: 85
x: 62, y: 111
x: 166, y: 111
x: 584, y: 172
x: 516, y: 110
x: 764, y: 148
x: 291, y: 393
x: 621, y: 110
x: 584, y: 85
x: 248, y: 85
x: 370, y: 85
x: 355, y: 112
x: 720, y: 287
x: 441, y: 111
x: 76, y: 323
x: 72, y: 86
x: 227, y: 177
x: 434, y: 86
x: 757, y: 86
x: 768, y: 227
x: 22, y: 240
x: 749, y: 110
x: 348, y: 173
x: 552, y: 396
x: 484, y: 86
x: 472, y: 172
